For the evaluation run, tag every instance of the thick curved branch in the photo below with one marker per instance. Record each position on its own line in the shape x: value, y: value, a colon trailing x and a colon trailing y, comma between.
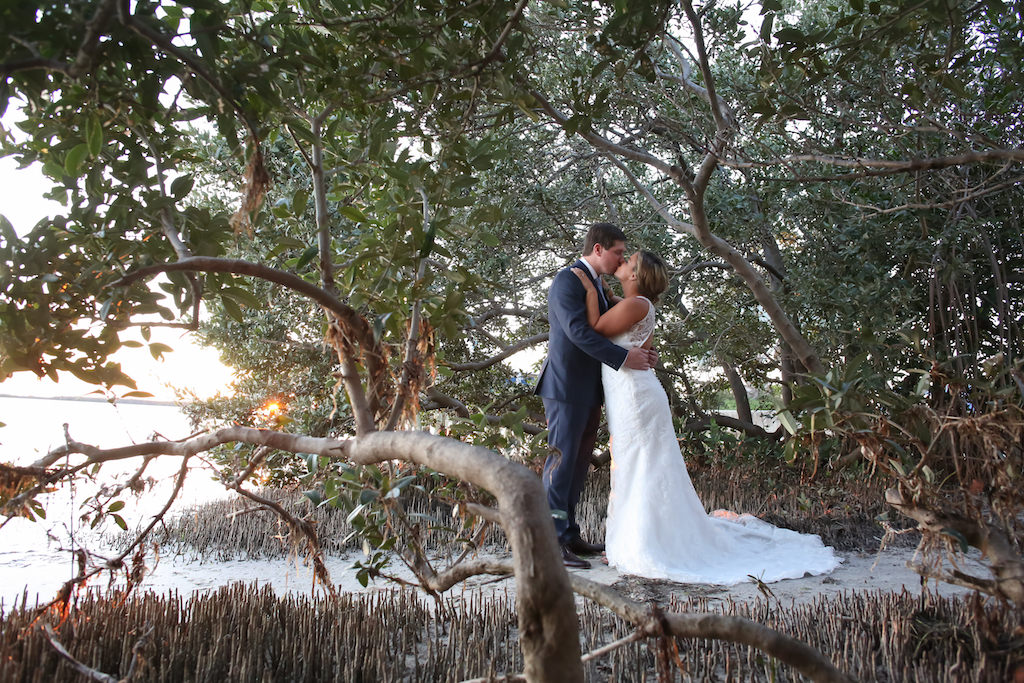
x: 456, y: 574
x: 547, y: 616
x: 293, y: 443
x: 703, y: 423
x: 505, y: 353
x: 213, y: 264
x: 351, y: 323
x: 713, y: 100
x: 793, y: 652
x: 721, y: 119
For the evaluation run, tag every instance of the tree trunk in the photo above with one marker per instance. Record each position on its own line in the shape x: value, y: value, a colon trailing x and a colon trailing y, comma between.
x: 785, y: 327
x: 739, y: 392
x: 548, y: 629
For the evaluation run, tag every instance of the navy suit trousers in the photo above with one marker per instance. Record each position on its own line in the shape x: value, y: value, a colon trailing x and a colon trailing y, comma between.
x: 572, y: 431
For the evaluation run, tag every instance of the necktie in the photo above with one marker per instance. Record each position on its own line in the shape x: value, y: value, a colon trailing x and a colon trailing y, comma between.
x: 600, y: 293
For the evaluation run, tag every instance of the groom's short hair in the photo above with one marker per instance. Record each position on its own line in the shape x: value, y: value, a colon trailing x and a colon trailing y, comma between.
x: 605, y: 234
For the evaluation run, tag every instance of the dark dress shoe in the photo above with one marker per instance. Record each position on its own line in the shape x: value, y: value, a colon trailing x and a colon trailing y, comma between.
x: 571, y: 560
x: 581, y: 547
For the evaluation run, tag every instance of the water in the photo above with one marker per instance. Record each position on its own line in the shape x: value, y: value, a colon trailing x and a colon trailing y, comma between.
x: 35, y: 557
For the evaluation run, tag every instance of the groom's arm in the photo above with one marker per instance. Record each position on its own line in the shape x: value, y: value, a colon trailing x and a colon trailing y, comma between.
x: 566, y: 301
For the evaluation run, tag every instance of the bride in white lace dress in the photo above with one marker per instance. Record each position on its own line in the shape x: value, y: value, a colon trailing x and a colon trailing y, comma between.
x: 657, y: 526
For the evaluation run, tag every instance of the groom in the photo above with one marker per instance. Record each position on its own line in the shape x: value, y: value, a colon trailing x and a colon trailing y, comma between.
x: 570, y: 383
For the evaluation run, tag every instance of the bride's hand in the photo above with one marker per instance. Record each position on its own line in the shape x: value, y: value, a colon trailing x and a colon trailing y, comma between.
x: 587, y: 284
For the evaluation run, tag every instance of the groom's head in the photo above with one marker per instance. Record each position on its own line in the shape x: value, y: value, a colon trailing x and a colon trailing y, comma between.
x: 604, y: 247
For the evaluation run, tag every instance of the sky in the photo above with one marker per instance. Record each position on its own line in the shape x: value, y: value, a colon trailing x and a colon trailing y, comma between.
x: 188, y: 366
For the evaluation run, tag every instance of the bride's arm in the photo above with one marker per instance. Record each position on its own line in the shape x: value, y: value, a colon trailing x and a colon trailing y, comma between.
x: 618, y: 318
x: 593, y: 307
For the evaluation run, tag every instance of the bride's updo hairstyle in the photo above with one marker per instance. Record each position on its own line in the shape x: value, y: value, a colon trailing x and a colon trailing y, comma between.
x: 651, y: 275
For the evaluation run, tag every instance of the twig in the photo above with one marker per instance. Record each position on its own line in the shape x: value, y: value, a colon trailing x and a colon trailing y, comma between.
x: 631, y: 638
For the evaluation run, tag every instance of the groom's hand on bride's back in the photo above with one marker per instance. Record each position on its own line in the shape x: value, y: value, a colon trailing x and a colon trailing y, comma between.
x: 640, y: 358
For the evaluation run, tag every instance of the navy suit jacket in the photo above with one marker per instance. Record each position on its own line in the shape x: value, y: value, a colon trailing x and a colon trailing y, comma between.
x: 572, y: 370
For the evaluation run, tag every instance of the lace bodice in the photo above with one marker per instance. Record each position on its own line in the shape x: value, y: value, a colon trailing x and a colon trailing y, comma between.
x: 641, y: 330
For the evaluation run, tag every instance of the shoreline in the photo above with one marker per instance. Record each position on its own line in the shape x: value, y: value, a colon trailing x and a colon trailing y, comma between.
x: 94, y: 399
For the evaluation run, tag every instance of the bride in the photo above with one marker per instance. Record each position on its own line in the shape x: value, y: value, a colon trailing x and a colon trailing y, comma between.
x: 657, y: 526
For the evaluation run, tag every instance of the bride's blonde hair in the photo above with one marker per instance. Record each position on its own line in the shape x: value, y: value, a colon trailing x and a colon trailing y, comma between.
x: 651, y: 275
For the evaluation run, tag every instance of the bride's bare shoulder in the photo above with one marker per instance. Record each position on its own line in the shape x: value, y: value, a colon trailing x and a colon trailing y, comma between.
x: 638, y: 302
x: 637, y: 305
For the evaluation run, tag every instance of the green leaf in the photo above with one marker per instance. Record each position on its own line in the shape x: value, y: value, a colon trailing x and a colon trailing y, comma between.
x: 284, y: 244
x: 94, y: 135
x: 379, y: 324
x: 355, y: 512
x: 231, y: 308
x: 138, y: 394
x: 182, y: 185
x: 788, y: 421
x: 789, y: 451
x: 790, y: 35
x: 766, y: 28
x: 299, y: 200
x: 306, y: 257
x: 157, y: 350
x: 115, y: 506
x: 242, y: 296
x: 74, y: 159
x: 119, y: 520
x: 352, y: 213
x: 281, y: 208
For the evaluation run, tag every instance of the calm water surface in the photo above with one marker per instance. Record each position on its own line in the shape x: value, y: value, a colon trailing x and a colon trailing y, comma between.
x: 35, y: 557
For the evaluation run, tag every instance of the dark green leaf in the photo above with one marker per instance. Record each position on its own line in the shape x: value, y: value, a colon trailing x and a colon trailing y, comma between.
x: 306, y: 257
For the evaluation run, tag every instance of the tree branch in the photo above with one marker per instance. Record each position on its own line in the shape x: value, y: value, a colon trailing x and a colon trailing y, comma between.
x: 353, y: 327
x: 1006, y: 564
x: 797, y: 654
x: 703, y: 423
x: 884, y: 166
x: 606, y: 145
x: 444, y: 401
x: 164, y: 42
x: 492, y: 54
x: 505, y: 353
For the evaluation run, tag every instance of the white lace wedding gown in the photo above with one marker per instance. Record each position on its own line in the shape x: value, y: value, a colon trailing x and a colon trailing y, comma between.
x: 657, y: 526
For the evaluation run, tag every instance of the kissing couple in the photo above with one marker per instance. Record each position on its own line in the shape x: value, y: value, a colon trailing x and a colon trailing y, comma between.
x: 600, y: 351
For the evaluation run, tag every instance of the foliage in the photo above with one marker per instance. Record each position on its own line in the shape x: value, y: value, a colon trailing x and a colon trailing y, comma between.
x: 370, y: 202
x: 953, y: 450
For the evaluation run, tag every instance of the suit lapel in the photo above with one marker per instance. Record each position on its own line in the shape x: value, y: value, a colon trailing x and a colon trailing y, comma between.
x: 602, y: 303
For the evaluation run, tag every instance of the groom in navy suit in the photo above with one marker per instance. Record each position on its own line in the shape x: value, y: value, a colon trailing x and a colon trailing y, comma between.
x: 570, y: 383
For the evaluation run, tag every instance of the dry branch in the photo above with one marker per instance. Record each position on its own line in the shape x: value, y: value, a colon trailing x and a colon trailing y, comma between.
x: 1006, y: 565
x: 793, y: 652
